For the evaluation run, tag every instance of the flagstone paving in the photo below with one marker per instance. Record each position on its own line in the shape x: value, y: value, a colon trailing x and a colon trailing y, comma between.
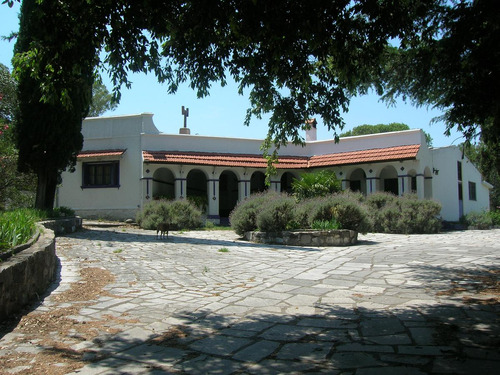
x: 205, y: 302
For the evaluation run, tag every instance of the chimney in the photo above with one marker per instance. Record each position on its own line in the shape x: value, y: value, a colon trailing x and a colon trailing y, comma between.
x: 311, y: 130
x: 185, y: 129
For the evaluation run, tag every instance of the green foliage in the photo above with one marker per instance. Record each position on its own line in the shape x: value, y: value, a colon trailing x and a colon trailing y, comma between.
x: 102, y: 100
x: 374, y: 129
x: 380, y: 212
x: 276, y: 214
x: 325, y: 225
x: 451, y: 62
x: 16, y: 227
x: 380, y: 215
x: 483, y: 156
x: 55, y: 58
x: 407, y: 214
x: 181, y: 214
x: 351, y: 215
x: 382, y: 128
x: 8, y: 100
x: 479, y: 220
x: 495, y: 217
x: 243, y: 218
x: 316, y: 184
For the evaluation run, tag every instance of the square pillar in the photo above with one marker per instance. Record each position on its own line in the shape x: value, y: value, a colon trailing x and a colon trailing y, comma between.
x: 213, y: 200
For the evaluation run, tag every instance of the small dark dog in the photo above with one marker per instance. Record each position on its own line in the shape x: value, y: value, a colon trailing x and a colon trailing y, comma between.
x: 162, y: 228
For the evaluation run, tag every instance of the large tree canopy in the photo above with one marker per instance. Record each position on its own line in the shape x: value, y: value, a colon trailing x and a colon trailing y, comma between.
x: 452, y: 62
x: 297, y: 59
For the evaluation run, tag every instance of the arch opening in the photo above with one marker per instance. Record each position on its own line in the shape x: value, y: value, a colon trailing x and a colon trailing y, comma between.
x: 257, y: 182
x: 389, y: 180
x: 228, y: 193
x: 196, y: 188
x: 357, y: 181
x: 163, y: 184
x: 286, y: 182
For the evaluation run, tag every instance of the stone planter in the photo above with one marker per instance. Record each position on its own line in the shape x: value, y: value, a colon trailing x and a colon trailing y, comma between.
x: 63, y: 225
x: 25, y: 276
x: 320, y: 238
x: 27, y: 270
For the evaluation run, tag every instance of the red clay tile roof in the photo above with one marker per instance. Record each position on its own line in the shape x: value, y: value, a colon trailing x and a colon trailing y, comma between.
x: 365, y: 156
x: 100, y: 153
x: 219, y: 159
x: 284, y: 162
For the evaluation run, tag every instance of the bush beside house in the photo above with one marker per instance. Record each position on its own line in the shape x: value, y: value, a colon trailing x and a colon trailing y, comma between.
x: 381, y: 212
x: 181, y: 214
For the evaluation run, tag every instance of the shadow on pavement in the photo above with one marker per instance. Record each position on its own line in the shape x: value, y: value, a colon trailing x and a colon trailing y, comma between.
x: 416, y: 340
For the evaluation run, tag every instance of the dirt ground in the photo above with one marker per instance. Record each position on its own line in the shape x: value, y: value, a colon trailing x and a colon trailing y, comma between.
x: 48, y: 329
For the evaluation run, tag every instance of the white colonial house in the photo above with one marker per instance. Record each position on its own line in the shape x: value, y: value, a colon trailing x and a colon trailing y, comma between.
x: 126, y: 162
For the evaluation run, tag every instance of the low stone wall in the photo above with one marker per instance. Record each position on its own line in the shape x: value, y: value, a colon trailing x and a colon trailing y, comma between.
x: 66, y: 225
x: 339, y: 237
x: 25, y: 276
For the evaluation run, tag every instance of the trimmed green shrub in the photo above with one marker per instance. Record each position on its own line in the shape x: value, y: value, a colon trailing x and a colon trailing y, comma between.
x: 479, y: 220
x: 351, y: 215
x: 276, y: 215
x: 243, y: 218
x: 185, y: 214
x: 376, y: 204
x: 345, y: 208
x: 406, y: 214
x: 181, y: 213
x: 302, y: 211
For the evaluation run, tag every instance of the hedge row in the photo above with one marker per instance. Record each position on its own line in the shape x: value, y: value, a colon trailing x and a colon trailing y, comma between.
x: 380, y: 212
x: 181, y: 214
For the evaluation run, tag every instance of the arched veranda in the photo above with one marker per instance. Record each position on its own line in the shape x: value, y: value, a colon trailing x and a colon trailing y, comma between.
x: 228, y: 193
x: 163, y: 184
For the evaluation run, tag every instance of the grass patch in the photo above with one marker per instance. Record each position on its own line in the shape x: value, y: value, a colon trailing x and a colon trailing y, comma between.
x: 223, y: 250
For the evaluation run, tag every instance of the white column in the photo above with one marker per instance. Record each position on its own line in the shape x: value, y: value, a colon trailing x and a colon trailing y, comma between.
x: 402, y: 185
x: 275, y: 185
x: 344, y: 184
x: 420, y: 186
x: 180, y: 188
x: 213, y: 200
x: 243, y: 189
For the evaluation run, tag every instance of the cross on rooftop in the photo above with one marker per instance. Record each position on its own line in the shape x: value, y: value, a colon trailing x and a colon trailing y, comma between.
x: 185, y: 113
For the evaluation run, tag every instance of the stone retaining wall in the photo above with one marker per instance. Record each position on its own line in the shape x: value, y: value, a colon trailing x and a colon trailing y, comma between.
x: 340, y: 237
x: 61, y: 226
x: 25, y: 276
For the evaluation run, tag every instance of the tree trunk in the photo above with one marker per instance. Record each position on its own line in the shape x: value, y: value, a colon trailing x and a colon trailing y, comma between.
x: 46, y: 189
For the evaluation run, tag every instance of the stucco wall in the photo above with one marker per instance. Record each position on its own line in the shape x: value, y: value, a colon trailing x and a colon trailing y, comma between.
x: 110, y: 202
x: 445, y: 183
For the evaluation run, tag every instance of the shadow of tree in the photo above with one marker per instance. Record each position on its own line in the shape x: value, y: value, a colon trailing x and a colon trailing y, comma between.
x: 452, y: 336
x: 446, y: 338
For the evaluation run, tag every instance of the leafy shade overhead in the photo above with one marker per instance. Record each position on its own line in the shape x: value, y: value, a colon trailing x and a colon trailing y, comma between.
x: 453, y: 64
x: 55, y: 60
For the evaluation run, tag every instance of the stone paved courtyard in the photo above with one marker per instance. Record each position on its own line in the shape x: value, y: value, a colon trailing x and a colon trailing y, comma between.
x: 205, y: 302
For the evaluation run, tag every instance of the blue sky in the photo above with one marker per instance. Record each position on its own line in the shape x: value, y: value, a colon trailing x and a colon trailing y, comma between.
x: 223, y: 112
